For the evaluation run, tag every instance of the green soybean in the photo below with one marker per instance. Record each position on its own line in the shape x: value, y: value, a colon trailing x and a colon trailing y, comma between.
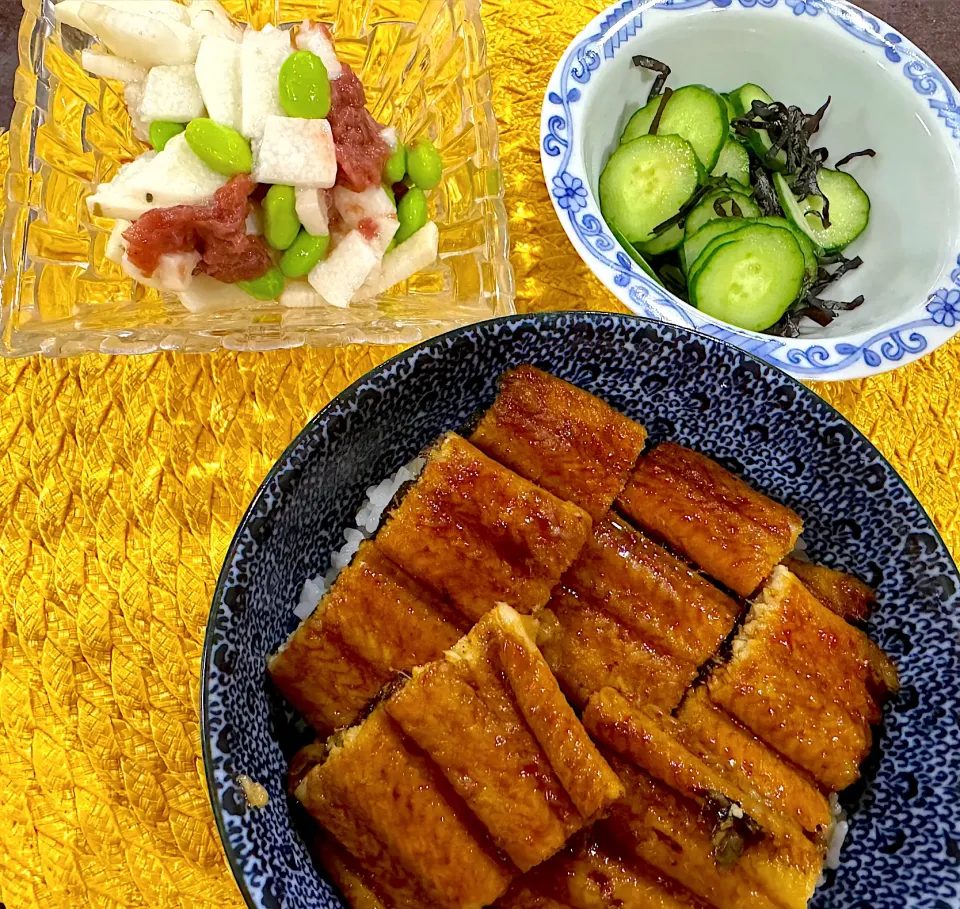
x: 304, y: 254
x: 280, y: 222
x: 221, y: 148
x: 391, y: 195
x: 267, y: 287
x: 396, y: 167
x: 412, y: 213
x: 424, y: 165
x: 162, y: 131
x: 304, y: 86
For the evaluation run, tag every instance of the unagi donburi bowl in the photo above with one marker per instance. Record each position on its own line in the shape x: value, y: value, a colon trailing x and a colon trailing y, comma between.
x: 887, y: 95
x: 859, y: 517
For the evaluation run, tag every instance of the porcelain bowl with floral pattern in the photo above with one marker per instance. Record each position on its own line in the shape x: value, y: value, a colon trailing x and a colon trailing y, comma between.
x: 887, y: 95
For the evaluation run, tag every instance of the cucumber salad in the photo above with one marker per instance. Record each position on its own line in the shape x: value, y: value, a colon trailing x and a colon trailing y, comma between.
x: 722, y: 199
x: 267, y: 179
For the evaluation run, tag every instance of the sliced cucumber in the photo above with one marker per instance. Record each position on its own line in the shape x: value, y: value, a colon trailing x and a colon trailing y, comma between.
x: 750, y: 280
x: 639, y: 261
x: 670, y: 239
x: 734, y: 162
x: 706, y: 235
x: 734, y: 204
x: 708, y: 251
x: 758, y: 139
x: 849, y: 210
x: 811, y: 260
x: 731, y: 110
x: 646, y: 182
x: 695, y: 113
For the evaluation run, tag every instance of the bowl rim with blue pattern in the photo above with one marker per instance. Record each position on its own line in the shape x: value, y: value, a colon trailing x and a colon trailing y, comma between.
x: 860, y: 517
x: 917, y: 323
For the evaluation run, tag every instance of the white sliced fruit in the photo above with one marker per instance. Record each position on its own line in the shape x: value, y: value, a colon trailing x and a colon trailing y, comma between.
x: 106, y: 66
x: 312, y: 211
x: 218, y: 75
x: 171, y: 93
x: 206, y: 294
x: 300, y: 295
x: 174, y: 273
x: 315, y: 38
x: 410, y: 257
x: 133, y: 96
x: 296, y: 152
x: 116, y: 247
x: 263, y: 54
x: 148, y: 40
x: 176, y: 176
x: 343, y: 272
x: 355, y: 207
x: 209, y: 18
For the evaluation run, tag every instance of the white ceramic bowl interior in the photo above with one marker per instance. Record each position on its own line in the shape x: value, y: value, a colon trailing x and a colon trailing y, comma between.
x: 884, y: 97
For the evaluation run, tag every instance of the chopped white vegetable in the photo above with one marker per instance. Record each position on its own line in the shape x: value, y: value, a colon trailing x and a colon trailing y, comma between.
x: 296, y: 152
x: 389, y: 135
x: 175, y: 177
x: 209, y: 18
x: 68, y: 11
x: 148, y: 40
x: 116, y: 247
x: 114, y: 199
x: 109, y: 67
x: 300, y: 295
x: 171, y: 93
x: 206, y: 294
x: 173, y: 274
x: 316, y: 39
x: 263, y: 54
x: 386, y: 229
x: 371, y: 203
x: 312, y: 211
x: 411, y: 256
x: 343, y: 272
x: 218, y: 75
x: 254, y: 223
x: 133, y: 96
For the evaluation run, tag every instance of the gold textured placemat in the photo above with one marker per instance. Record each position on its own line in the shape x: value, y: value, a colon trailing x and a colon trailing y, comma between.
x: 121, y: 482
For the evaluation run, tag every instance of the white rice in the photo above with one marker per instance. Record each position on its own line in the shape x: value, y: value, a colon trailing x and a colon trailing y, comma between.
x: 365, y: 526
x: 839, y: 828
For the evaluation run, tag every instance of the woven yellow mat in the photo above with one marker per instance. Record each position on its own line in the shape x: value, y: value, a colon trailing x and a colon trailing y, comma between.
x: 121, y: 482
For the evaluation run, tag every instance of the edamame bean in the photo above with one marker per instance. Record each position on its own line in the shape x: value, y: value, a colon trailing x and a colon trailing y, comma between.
x: 424, y: 164
x: 304, y: 254
x: 267, y: 287
x: 221, y: 148
x: 412, y: 212
x: 162, y: 131
x: 391, y: 195
x: 396, y: 167
x: 304, y: 86
x: 280, y: 222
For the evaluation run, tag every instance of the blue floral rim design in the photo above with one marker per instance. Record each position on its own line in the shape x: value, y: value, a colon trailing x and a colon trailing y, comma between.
x: 885, y: 350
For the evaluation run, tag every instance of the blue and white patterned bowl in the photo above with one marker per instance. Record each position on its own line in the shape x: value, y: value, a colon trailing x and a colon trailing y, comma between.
x: 886, y: 95
x: 902, y: 849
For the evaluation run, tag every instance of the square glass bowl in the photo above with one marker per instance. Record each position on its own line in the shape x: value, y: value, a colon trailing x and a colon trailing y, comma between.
x: 423, y: 65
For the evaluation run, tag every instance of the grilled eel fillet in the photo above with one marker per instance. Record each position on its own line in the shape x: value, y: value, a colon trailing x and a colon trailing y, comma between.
x: 805, y: 681
x: 374, y: 622
x: 562, y: 438
x: 841, y: 593
x: 709, y: 516
x: 695, y: 823
x: 479, y: 534
x: 592, y: 873
x: 473, y: 770
x: 630, y: 615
